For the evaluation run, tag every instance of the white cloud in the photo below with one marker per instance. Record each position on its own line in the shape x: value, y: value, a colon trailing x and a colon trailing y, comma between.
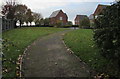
x: 70, y: 1
x: 1, y: 2
x: 89, y: 0
x: 43, y: 4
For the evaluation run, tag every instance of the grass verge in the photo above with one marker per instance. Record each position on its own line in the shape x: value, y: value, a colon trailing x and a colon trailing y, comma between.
x: 82, y: 44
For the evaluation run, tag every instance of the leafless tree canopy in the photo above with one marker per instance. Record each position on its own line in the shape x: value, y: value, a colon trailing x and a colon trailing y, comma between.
x: 12, y: 2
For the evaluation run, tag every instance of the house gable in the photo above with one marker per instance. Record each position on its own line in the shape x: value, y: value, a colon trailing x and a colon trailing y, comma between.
x: 79, y: 18
x: 99, y: 9
x: 58, y: 15
x: 54, y: 14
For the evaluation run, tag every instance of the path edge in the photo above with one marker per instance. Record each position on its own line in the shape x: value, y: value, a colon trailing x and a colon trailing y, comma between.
x: 72, y: 52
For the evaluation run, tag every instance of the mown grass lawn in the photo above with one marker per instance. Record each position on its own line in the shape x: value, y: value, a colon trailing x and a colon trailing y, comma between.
x: 14, y: 43
x: 81, y: 42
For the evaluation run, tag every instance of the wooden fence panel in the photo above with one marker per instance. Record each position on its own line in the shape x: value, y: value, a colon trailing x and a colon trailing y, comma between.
x: 8, y: 24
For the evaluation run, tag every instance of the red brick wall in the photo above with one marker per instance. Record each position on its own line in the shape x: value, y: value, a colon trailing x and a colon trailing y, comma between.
x: 52, y: 21
x: 64, y: 17
x: 77, y: 20
x: 64, y: 20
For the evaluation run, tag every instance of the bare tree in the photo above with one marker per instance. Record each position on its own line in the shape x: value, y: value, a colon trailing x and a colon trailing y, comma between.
x: 8, y: 8
x: 20, y: 13
x: 12, y: 2
x: 29, y: 16
x: 37, y: 17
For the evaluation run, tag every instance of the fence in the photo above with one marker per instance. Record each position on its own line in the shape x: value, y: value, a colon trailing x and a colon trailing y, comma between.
x: 8, y: 24
x: 0, y: 24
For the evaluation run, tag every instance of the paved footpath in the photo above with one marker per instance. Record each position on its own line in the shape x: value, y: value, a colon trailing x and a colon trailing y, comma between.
x: 48, y: 57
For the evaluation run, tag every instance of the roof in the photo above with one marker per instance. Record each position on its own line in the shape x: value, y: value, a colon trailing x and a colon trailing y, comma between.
x: 99, y: 9
x: 55, y: 13
x: 80, y: 17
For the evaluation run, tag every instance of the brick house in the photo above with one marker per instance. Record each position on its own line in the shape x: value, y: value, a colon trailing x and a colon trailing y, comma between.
x: 58, y: 16
x: 99, y: 10
x: 79, y: 18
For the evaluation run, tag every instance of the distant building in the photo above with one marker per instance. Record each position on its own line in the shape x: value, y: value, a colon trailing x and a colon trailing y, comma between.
x: 99, y: 10
x: 91, y: 18
x: 79, y: 18
x: 58, y: 16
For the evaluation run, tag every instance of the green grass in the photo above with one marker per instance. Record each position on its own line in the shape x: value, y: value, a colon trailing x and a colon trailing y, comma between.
x: 14, y: 43
x: 81, y: 42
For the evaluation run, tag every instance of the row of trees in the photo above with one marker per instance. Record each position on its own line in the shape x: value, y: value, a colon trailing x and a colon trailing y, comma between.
x: 21, y: 13
x: 60, y: 24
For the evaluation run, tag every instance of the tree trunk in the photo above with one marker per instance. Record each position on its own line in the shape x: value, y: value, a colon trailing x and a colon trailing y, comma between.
x: 20, y: 23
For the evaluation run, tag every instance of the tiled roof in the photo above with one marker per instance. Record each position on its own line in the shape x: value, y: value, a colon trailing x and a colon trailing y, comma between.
x: 81, y: 16
x: 100, y: 8
x: 54, y: 14
x: 103, y: 6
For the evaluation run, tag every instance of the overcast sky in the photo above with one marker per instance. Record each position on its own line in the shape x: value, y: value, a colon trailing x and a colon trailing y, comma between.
x: 70, y: 7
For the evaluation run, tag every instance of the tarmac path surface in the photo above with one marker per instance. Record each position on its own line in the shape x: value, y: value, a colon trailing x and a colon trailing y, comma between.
x: 49, y: 57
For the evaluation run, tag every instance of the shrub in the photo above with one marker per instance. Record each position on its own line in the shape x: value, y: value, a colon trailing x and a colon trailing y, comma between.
x: 67, y: 26
x: 107, y: 36
x: 75, y: 26
x: 85, y: 23
x: 59, y: 23
x: 69, y: 23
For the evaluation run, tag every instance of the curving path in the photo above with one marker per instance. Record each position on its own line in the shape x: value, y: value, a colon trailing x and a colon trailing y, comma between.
x: 48, y: 57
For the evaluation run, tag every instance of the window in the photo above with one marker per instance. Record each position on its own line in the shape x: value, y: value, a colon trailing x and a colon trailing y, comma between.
x: 61, y: 18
